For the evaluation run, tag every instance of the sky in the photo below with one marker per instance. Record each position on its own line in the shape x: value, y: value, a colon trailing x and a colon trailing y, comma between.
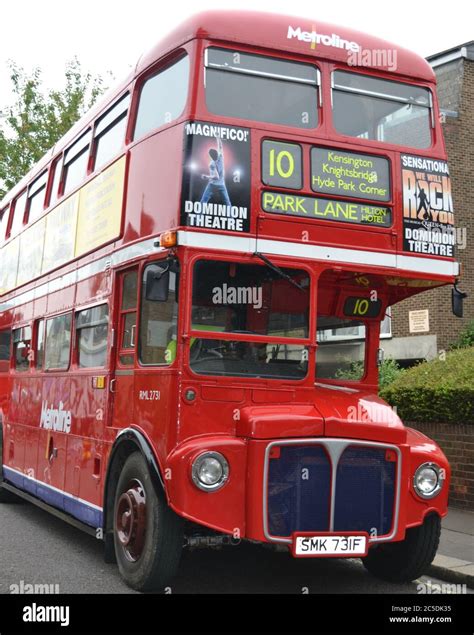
x: 110, y: 35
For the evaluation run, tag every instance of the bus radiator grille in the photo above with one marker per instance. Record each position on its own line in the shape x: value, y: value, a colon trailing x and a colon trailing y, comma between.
x: 299, y: 490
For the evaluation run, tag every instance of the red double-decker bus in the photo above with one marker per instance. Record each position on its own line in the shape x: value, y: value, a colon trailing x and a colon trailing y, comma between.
x: 194, y: 283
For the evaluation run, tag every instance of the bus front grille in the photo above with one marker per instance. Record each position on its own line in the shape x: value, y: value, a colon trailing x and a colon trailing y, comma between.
x: 304, y: 496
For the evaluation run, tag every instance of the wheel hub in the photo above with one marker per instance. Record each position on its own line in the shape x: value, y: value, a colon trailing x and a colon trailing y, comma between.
x: 130, y: 520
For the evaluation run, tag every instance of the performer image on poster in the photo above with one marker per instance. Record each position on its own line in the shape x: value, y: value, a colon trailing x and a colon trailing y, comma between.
x: 216, y: 187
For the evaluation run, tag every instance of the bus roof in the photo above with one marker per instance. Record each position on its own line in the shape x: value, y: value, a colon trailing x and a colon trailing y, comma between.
x: 263, y: 30
x: 272, y: 31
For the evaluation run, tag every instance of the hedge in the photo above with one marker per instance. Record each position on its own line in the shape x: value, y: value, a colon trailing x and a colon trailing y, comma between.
x: 439, y: 391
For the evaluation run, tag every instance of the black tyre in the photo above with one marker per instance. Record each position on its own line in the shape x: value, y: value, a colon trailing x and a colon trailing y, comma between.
x: 148, y: 535
x: 406, y: 560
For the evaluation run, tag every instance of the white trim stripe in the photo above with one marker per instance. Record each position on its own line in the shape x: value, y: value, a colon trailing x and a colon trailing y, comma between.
x: 240, y: 244
x: 243, y: 244
x: 82, y: 273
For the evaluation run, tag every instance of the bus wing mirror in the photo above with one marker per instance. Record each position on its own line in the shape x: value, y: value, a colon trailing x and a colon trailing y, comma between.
x: 457, y: 298
x: 157, y: 282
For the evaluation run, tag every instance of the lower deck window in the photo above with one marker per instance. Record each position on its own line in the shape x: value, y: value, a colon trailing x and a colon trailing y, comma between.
x: 21, y: 348
x: 92, y: 331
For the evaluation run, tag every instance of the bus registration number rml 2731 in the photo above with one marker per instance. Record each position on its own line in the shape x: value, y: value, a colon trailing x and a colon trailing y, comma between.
x: 327, y: 544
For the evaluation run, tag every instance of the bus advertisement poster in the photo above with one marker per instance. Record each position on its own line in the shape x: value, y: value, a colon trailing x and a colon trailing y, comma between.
x: 216, y: 177
x: 428, y: 218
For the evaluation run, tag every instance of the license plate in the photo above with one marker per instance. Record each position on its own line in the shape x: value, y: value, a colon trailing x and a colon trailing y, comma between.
x: 341, y: 545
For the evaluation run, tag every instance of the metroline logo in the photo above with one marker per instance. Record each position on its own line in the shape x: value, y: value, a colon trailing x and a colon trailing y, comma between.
x: 326, y: 40
x: 55, y: 419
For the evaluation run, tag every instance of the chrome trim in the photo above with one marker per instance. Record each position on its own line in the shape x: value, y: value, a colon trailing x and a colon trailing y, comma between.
x: 248, y: 71
x: 334, y: 448
x: 334, y: 387
x: 439, y: 485
x: 370, y: 93
x: 225, y: 471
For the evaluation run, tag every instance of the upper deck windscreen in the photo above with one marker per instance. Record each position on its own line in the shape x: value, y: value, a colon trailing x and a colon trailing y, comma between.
x: 261, y: 88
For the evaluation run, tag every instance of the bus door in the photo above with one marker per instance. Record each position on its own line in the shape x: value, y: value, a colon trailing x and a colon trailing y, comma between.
x: 122, y: 379
x: 156, y: 381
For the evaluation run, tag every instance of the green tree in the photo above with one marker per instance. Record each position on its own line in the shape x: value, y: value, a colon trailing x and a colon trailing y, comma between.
x: 38, y: 117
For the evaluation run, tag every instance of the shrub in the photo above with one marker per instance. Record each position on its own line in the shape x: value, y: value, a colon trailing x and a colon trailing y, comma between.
x: 389, y: 370
x: 441, y: 390
x: 466, y: 337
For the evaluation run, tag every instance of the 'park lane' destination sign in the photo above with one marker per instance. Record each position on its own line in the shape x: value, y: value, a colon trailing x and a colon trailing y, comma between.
x: 350, y: 174
x: 313, y: 208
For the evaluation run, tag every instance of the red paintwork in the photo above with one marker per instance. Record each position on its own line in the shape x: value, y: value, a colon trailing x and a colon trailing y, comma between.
x: 178, y: 430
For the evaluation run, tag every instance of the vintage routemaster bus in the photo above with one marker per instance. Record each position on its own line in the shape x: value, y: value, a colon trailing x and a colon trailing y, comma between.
x: 194, y: 284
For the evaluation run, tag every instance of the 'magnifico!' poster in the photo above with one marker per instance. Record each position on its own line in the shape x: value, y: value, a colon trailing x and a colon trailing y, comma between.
x: 216, y: 177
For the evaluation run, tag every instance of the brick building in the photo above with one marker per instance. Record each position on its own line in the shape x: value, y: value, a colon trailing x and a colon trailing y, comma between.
x: 455, y: 75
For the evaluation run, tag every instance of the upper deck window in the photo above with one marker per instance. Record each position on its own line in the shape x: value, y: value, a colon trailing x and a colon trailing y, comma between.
x: 3, y: 222
x: 261, y: 88
x: 18, y: 214
x: 382, y: 110
x: 163, y: 97
x: 36, y: 196
x: 76, y: 159
x: 110, y: 132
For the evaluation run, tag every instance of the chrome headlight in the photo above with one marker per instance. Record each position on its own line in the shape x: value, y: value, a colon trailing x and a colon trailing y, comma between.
x: 210, y: 471
x: 428, y: 480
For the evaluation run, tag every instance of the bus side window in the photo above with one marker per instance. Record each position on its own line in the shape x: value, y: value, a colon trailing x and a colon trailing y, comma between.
x: 162, y: 97
x: 158, y: 326
x: 55, y: 175
x: 76, y: 160
x: 5, y: 339
x: 58, y: 342
x: 109, y: 134
x: 39, y: 346
x: 92, y: 326
x: 18, y: 214
x: 21, y: 348
x: 128, y: 318
x: 36, y: 197
x: 3, y: 223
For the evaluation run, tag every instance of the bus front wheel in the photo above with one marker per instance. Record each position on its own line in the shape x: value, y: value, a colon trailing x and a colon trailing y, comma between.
x: 148, y: 535
x: 406, y: 560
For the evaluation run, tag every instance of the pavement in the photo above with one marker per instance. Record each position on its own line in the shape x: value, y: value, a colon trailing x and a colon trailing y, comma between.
x: 454, y: 561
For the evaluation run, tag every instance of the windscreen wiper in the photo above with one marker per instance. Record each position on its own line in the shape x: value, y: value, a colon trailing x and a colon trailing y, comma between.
x: 277, y: 270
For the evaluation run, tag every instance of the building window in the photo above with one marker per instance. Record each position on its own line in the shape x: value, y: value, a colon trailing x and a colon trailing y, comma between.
x: 110, y: 132
x: 5, y: 339
x: 261, y: 88
x: 21, y: 348
x: 92, y: 327
x: 163, y: 97
x: 76, y: 160
x: 58, y: 342
x: 382, y: 110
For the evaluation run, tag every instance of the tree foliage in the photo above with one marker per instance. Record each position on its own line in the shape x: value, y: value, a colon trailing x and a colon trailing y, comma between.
x: 37, y: 118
